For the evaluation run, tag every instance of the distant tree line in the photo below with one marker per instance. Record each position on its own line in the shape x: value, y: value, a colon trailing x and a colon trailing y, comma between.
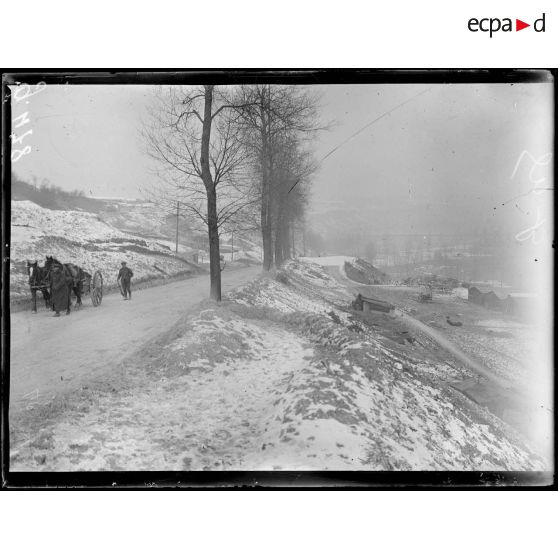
x: 50, y: 196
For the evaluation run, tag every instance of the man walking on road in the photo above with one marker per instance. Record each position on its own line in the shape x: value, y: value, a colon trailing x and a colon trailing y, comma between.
x: 124, y: 278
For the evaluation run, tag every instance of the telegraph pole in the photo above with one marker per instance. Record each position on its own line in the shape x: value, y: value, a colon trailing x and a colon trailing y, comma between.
x: 232, y: 246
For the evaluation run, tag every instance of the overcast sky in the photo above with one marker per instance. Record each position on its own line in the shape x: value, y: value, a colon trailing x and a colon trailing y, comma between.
x: 451, y: 147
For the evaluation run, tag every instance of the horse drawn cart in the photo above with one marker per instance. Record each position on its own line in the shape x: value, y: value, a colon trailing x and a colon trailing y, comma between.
x: 83, y: 283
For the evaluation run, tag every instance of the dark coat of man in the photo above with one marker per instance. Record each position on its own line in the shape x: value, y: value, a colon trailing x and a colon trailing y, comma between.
x: 125, y: 275
x: 60, y: 288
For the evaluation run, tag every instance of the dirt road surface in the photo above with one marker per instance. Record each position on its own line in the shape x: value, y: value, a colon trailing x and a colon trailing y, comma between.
x: 54, y: 355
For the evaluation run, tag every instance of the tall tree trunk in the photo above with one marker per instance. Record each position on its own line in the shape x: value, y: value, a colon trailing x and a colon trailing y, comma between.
x: 267, y: 240
x: 266, y: 217
x: 212, y: 225
x: 279, y: 251
x: 282, y: 236
x: 214, y: 250
x: 286, y: 231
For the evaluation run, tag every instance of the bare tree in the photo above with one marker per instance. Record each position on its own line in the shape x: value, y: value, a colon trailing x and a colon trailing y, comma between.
x: 269, y: 116
x: 289, y: 195
x: 193, y: 137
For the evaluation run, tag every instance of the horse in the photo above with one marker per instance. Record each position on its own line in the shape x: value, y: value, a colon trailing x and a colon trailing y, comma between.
x: 76, y: 273
x: 38, y: 280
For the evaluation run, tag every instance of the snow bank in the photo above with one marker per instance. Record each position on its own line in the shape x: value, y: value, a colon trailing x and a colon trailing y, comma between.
x: 364, y: 272
x: 338, y: 261
x: 271, y: 294
x: 358, y: 405
x: 208, y: 396
x: 357, y: 408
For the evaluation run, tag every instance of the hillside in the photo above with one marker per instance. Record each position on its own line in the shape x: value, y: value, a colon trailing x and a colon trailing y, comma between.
x: 84, y: 239
x: 363, y: 272
x: 51, y: 196
x: 141, y: 217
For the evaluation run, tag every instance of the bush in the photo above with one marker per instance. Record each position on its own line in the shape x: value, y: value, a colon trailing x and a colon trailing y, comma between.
x: 282, y: 277
x: 336, y: 319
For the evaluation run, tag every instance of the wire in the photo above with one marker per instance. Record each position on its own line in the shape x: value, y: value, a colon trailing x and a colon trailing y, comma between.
x: 364, y: 128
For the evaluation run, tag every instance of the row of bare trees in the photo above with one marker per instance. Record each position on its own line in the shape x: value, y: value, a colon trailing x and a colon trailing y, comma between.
x: 235, y: 158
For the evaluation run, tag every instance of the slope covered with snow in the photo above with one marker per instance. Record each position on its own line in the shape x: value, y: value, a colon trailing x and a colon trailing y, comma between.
x: 363, y: 272
x: 360, y: 404
x: 84, y: 239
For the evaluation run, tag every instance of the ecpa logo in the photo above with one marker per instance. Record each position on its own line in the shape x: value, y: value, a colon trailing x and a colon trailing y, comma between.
x: 494, y: 24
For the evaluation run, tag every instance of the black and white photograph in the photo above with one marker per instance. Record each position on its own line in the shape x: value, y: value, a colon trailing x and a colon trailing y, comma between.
x: 279, y: 272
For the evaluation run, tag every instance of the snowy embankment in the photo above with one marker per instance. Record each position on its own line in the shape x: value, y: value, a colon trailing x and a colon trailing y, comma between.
x: 326, y: 261
x: 357, y: 405
x: 280, y: 375
x: 330, y: 261
x: 83, y: 239
x: 363, y: 272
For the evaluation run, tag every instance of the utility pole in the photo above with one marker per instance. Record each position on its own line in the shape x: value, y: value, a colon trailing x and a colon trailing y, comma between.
x: 232, y: 246
x: 177, y: 210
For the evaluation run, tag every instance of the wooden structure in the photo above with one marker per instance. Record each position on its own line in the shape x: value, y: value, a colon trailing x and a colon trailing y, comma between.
x: 367, y: 304
x: 425, y: 295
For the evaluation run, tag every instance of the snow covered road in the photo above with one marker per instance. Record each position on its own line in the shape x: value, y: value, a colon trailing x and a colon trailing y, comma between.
x: 50, y: 355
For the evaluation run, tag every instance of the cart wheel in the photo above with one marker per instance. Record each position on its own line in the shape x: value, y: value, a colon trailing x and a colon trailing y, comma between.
x: 96, y: 288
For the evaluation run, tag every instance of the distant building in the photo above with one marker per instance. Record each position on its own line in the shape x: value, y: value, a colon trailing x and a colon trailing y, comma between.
x: 521, y: 305
x: 461, y: 292
x: 487, y: 298
x: 475, y: 296
x: 493, y: 302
